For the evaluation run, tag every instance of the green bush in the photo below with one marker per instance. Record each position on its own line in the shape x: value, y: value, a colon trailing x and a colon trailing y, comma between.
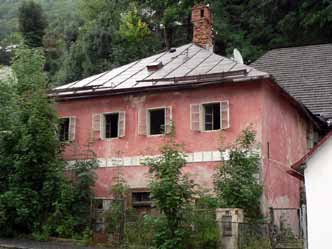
x: 140, y: 231
x: 258, y: 244
x: 205, y: 232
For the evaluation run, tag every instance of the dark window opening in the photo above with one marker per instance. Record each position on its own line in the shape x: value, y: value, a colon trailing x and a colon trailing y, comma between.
x: 157, y: 121
x: 202, y: 12
x: 111, y: 125
x: 141, y: 199
x: 211, y: 116
x: 64, y: 130
x: 99, y: 204
x: 227, y: 225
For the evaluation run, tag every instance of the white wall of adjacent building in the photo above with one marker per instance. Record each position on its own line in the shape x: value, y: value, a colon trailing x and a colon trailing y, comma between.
x: 318, y: 185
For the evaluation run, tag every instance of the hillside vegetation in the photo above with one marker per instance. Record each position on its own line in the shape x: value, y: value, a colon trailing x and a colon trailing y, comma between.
x: 85, y: 37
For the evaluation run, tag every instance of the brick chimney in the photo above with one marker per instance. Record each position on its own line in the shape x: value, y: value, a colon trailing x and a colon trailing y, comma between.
x: 201, y: 18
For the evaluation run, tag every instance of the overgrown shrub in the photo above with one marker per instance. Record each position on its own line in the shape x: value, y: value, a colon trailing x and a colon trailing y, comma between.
x: 72, y: 211
x: 140, y: 230
x: 236, y: 182
x: 35, y: 195
x: 205, y: 232
x: 257, y: 243
x: 172, y: 192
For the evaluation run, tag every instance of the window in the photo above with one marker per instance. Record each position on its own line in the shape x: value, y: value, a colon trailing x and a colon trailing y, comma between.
x: 211, y: 119
x: 99, y: 204
x: 108, y: 125
x: 154, y: 121
x: 111, y: 125
x: 209, y: 116
x: 202, y: 12
x: 67, y: 128
x: 141, y: 199
x: 157, y: 121
x: 64, y: 130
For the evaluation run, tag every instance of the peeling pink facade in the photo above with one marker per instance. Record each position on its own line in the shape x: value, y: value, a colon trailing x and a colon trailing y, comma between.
x: 280, y: 124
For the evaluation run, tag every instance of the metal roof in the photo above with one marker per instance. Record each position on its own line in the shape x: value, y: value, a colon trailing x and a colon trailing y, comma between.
x: 187, y: 64
x: 305, y: 73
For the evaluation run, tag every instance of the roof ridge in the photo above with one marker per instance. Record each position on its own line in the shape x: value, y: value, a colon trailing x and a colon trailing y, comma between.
x: 301, y: 46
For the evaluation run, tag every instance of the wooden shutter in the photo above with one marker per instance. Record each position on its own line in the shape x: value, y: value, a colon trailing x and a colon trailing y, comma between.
x: 224, y: 114
x: 168, y: 120
x: 122, y: 124
x: 97, y: 125
x: 195, y: 117
x: 72, y: 128
x: 142, y: 127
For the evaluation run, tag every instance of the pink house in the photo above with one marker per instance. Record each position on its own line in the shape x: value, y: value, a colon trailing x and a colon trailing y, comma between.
x: 123, y: 115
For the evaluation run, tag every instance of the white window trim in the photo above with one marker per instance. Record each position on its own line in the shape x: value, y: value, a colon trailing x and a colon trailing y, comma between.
x: 103, y: 127
x: 148, y: 130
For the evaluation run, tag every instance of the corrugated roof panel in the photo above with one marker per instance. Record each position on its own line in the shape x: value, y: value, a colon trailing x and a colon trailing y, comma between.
x: 223, y: 66
x: 133, y: 71
x: 175, y: 63
x: 208, y: 65
x: 113, y: 73
x: 86, y: 81
x: 191, y: 63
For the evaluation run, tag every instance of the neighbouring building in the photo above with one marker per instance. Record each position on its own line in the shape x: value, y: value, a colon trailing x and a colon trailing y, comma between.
x: 316, y: 170
x: 304, y: 72
x: 123, y: 115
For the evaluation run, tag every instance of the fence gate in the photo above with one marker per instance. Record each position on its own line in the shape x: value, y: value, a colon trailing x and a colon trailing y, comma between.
x: 253, y: 234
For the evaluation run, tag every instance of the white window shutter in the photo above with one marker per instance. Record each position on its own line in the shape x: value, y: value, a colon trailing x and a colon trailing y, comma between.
x: 122, y: 124
x: 195, y: 117
x: 224, y: 114
x: 142, y: 122
x: 72, y: 128
x: 168, y: 120
x: 97, y: 125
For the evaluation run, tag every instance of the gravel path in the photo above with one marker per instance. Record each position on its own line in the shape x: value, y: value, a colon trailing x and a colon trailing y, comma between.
x: 30, y: 244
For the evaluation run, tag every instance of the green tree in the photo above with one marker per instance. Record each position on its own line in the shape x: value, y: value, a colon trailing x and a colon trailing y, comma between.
x: 32, y: 23
x: 236, y: 182
x: 171, y: 18
x: 29, y: 156
x: 172, y: 193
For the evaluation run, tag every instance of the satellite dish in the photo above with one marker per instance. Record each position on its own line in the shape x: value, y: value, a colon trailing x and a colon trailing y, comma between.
x: 237, y: 57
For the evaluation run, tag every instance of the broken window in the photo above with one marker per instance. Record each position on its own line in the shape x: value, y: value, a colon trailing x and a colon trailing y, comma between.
x: 141, y: 199
x: 157, y: 121
x: 211, y: 116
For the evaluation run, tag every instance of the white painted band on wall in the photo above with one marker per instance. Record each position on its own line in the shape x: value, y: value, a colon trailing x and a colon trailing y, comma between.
x: 195, y: 157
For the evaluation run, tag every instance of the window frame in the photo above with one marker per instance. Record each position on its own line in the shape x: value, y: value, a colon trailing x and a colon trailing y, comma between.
x: 202, y: 121
x: 148, y: 119
x: 103, y: 125
x: 142, y: 204
x: 69, y: 125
